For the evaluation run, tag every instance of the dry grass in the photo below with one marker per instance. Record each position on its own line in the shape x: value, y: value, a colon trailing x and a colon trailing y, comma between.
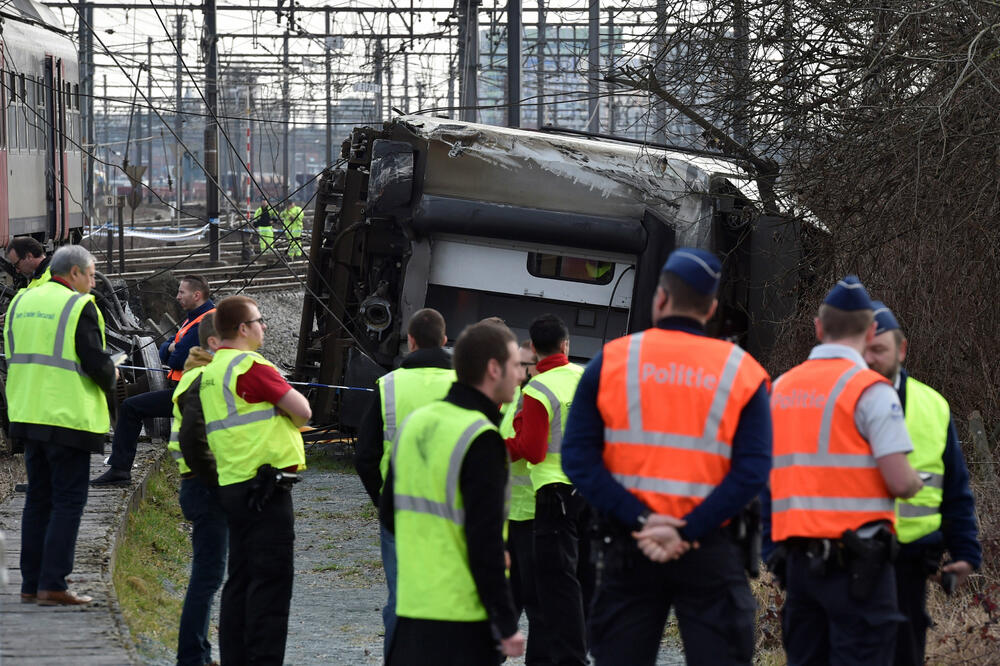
x: 11, y: 473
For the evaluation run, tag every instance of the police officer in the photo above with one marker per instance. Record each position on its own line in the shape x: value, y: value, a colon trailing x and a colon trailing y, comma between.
x: 425, y: 375
x: 292, y: 221
x: 28, y: 258
x: 251, y: 417
x: 521, y: 526
x: 58, y: 372
x: 444, y: 499
x: 200, y: 505
x: 942, y: 516
x: 564, y: 576
x: 669, y: 437
x: 840, y: 448
x: 263, y: 219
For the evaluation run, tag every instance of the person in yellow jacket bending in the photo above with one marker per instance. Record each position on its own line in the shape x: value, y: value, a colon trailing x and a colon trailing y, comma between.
x: 263, y: 221
x: 251, y: 418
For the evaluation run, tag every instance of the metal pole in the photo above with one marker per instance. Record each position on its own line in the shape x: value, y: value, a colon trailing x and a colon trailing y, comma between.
x: 594, y: 67
x: 87, y: 110
x: 540, y: 67
x: 286, y: 107
x: 329, y: 90
x: 611, y: 61
x: 149, y: 118
x: 513, y: 63
x: 105, y: 121
x: 249, y: 161
x: 660, y: 106
x: 110, y: 243
x: 468, y: 57
x: 211, y: 132
x: 179, y: 121
x: 120, y: 200
x: 379, y: 115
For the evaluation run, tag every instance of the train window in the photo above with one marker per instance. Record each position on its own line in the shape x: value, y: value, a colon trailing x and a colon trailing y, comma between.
x: 11, y: 88
x: 22, y: 129
x: 575, y: 269
x: 23, y: 88
x: 76, y: 96
x: 11, y: 127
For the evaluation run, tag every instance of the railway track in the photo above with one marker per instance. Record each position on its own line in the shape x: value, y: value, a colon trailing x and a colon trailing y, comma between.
x: 261, y: 273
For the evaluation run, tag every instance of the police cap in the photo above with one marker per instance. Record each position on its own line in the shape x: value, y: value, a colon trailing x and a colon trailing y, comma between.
x: 697, y: 268
x: 849, y: 295
x: 884, y: 319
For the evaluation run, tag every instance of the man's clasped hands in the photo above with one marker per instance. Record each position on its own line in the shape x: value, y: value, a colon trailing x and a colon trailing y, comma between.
x: 659, y: 539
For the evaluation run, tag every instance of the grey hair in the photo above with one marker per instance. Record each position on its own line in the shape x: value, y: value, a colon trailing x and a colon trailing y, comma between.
x: 68, y: 256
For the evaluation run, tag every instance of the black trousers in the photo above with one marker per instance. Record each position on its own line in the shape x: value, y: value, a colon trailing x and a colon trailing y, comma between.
x: 707, y: 588
x: 911, y: 592
x: 253, y: 619
x: 564, y: 570
x: 521, y: 545
x: 822, y: 624
x: 440, y: 643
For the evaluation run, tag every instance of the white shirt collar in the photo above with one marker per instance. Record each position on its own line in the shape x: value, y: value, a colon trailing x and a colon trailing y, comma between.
x: 829, y: 350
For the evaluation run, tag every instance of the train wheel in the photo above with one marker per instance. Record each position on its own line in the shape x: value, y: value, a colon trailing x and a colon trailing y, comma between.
x: 147, y: 355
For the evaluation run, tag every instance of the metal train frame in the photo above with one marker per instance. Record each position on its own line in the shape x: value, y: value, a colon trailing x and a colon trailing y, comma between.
x: 477, y: 221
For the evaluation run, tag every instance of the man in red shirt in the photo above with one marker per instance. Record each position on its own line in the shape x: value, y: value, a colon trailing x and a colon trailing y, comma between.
x: 564, y: 575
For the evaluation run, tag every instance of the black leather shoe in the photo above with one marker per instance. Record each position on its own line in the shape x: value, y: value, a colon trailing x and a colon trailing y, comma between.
x: 112, y: 478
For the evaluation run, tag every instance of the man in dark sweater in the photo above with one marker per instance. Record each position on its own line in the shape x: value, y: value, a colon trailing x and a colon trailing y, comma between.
x: 194, y: 297
x: 454, y: 600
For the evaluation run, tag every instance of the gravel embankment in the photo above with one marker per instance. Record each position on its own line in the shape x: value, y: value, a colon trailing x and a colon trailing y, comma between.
x: 282, y: 311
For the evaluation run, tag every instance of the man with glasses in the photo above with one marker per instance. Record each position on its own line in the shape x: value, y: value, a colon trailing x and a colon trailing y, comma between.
x: 28, y: 258
x: 250, y: 417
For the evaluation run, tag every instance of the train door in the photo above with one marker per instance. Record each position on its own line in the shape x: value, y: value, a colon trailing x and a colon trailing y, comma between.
x: 5, y: 99
x: 55, y: 160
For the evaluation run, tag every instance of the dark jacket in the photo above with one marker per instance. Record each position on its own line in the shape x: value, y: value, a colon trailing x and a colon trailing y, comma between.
x: 193, y: 438
x: 175, y: 359
x: 482, y: 480
x: 97, y: 364
x: 368, y: 450
x: 42, y: 267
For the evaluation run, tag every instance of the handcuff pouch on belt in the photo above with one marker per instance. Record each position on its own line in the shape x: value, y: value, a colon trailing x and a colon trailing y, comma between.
x: 746, y: 530
x: 268, y: 480
x: 866, y: 558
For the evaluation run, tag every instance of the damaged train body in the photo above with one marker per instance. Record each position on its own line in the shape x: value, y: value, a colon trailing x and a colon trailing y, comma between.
x: 478, y: 221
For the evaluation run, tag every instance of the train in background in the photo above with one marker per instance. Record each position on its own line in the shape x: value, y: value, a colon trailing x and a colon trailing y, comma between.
x: 41, y: 190
x: 476, y: 221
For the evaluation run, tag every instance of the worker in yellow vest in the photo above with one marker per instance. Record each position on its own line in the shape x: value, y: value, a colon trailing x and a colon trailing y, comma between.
x: 425, y: 375
x: 521, y: 525
x: 564, y: 574
x: 200, y: 505
x: 27, y: 256
x: 291, y: 219
x: 942, y: 516
x: 444, y: 499
x: 251, y: 417
x: 263, y: 221
x: 58, y: 371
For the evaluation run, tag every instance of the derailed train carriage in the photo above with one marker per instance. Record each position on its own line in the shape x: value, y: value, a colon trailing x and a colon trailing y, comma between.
x: 477, y: 221
x: 41, y: 176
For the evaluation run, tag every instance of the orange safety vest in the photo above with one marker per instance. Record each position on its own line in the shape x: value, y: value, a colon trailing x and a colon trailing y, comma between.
x: 175, y: 375
x: 671, y: 402
x: 824, y: 479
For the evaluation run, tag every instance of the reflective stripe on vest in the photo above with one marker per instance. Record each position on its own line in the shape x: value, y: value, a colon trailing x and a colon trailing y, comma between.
x: 554, y: 389
x: 401, y: 392
x: 522, y: 494
x: 673, y: 452
x: 927, y: 419
x: 233, y: 418
x: 175, y: 375
x: 434, y: 577
x: 174, y: 443
x: 45, y: 382
x: 239, y: 450
x: 836, y: 486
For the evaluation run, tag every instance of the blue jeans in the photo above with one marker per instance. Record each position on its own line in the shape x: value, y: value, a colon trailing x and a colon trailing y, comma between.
x: 57, y: 492
x: 210, y: 541
x: 129, y: 424
x: 388, y: 540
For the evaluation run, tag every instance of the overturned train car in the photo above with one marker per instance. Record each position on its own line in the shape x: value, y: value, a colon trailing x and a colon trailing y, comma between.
x: 478, y: 221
